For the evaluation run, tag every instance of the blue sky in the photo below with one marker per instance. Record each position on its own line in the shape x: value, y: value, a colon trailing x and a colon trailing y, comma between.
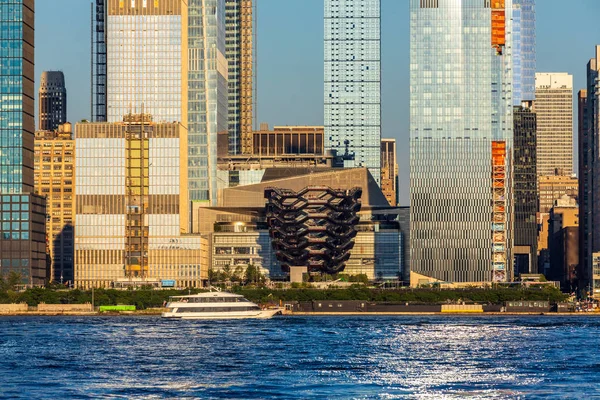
x: 290, y: 57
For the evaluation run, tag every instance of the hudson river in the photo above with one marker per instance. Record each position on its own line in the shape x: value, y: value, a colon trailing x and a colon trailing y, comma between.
x: 300, y: 358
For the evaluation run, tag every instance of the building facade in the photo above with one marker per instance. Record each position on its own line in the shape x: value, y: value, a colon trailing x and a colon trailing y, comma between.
x: 461, y: 134
x: 524, y: 56
x: 590, y: 180
x: 207, y: 94
x: 22, y: 237
x: 240, y: 235
x: 352, y: 92
x: 239, y: 16
x: 554, y: 109
x: 584, y: 176
x: 145, y: 53
x: 166, y: 58
x: 553, y: 187
x: 525, y: 190
x: 52, y: 100
x: 562, y: 262
x: 55, y: 179
x: 389, y: 171
x: 131, y: 211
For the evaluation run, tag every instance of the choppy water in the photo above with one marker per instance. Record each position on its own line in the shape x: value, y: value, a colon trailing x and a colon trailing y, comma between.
x: 300, y: 357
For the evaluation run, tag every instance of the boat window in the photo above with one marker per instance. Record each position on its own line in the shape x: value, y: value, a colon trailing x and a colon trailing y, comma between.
x: 217, y: 309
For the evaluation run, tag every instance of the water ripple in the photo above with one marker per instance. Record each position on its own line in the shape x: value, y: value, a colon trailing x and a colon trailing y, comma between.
x: 415, y: 357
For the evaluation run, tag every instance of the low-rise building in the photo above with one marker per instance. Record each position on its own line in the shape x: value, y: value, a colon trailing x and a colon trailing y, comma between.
x: 240, y: 234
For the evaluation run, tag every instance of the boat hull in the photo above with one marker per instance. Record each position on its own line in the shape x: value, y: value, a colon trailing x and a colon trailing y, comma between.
x: 262, y: 314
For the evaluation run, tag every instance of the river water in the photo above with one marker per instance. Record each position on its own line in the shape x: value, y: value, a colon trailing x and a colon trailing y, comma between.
x: 420, y: 357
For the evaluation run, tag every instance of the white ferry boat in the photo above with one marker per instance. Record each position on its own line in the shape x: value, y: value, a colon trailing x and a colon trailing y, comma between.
x: 215, y: 305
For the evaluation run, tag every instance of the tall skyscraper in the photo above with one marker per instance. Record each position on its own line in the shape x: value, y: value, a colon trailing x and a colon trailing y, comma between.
x: 589, y: 168
x: 554, y: 109
x: 22, y: 233
x: 353, y: 81
x: 461, y: 139
x: 207, y: 96
x: 52, y: 100
x: 166, y: 58
x: 523, y: 52
x: 584, y: 175
x: 145, y: 50
x: 238, y: 47
x: 525, y: 190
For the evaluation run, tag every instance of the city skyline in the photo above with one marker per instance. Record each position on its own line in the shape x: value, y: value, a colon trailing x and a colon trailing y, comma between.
x: 289, y: 75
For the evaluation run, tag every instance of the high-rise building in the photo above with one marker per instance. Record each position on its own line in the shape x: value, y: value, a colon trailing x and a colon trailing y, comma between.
x: 145, y: 59
x: 461, y: 140
x: 389, y: 171
x: 55, y: 179
x: 52, y: 100
x: 524, y: 60
x: 238, y: 47
x: 589, y: 170
x: 525, y: 190
x: 22, y: 233
x: 131, y: 214
x: 352, y: 93
x: 554, y: 109
x: 585, y: 184
x: 207, y: 96
x: 166, y: 58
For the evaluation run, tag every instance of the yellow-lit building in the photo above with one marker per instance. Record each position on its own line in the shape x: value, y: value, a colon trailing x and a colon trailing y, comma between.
x: 389, y: 171
x: 132, y: 206
x: 553, y: 187
x: 55, y: 178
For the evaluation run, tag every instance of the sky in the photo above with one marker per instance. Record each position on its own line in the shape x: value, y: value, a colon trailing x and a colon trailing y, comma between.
x: 290, y: 58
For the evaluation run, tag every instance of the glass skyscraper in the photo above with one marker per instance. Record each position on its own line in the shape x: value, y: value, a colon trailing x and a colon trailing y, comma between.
x: 352, y: 94
x: 22, y: 229
x: 144, y: 59
x: 207, y: 95
x: 461, y: 130
x: 166, y: 58
x: 524, y: 60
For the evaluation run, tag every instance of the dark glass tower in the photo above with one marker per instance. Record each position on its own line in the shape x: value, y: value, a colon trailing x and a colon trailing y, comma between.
x: 22, y: 232
x: 53, y: 100
x: 525, y: 190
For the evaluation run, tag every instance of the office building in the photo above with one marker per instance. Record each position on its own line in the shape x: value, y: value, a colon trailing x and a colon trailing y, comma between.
x: 142, y: 53
x: 207, y: 106
x: 525, y: 190
x: 166, y: 58
x: 553, y: 187
x: 554, y: 109
x: 283, y: 147
x: 389, y: 171
x: 352, y: 93
x: 131, y: 212
x: 22, y: 233
x: 55, y: 179
x: 523, y: 51
x: 584, y: 176
x: 563, y: 244
x: 461, y: 140
x: 239, y: 233
x: 52, y: 100
x: 594, y: 284
x: 239, y: 52
x: 589, y: 110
